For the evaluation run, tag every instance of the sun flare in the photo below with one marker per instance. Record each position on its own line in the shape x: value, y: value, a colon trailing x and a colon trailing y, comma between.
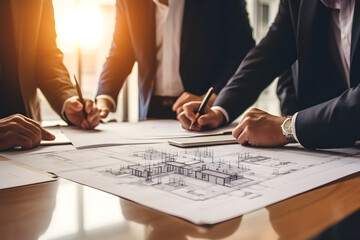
x: 82, y: 26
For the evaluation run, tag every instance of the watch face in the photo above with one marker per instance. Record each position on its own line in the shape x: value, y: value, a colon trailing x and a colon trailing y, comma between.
x: 287, y: 126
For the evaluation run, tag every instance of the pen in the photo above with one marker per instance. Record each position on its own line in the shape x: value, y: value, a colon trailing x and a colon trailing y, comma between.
x: 81, y: 99
x: 202, y: 106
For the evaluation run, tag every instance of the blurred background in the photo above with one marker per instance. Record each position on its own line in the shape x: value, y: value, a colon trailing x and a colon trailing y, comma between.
x: 85, y: 29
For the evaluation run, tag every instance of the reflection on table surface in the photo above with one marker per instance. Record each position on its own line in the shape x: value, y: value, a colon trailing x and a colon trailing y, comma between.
x: 67, y: 210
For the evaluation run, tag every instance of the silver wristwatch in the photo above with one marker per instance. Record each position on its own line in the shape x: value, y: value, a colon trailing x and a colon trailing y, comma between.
x: 287, y: 130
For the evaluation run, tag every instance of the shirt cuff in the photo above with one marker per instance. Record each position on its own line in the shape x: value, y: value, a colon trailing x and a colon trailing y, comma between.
x: 223, y: 111
x: 63, y: 107
x: 108, y: 97
x: 293, y: 128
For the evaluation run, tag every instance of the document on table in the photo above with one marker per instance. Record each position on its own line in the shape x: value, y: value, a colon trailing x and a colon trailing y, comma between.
x: 37, y: 150
x: 151, y: 131
x: 15, y: 176
x: 60, y: 138
x: 207, y: 185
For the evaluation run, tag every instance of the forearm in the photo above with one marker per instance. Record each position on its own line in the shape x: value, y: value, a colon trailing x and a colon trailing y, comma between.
x: 334, y: 123
x: 121, y: 57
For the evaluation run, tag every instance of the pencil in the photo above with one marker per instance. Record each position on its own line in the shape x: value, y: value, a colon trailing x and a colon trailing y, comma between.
x: 81, y: 99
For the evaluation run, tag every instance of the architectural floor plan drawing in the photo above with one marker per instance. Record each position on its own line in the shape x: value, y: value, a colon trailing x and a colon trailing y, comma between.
x: 198, y: 174
x: 203, y: 185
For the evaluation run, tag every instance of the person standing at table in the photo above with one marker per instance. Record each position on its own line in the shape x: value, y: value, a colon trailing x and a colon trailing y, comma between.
x: 182, y: 47
x: 30, y: 59
x: 323, y: 37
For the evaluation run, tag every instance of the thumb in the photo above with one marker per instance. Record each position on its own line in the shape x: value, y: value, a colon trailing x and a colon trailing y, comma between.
x: 46, y: 135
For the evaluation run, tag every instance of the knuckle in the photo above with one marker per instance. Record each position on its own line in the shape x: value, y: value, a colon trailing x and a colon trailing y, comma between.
x: 180, y: 116
x: 248, y: 114
x: 17, y: 118
x: 12, y: 126
x: 247, y: 120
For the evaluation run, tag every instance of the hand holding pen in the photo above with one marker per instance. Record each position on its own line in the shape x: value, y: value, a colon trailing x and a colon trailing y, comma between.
x: 197, y: 115
x: 202, y: 106
x: 81, y: 99
x: 81, y: 111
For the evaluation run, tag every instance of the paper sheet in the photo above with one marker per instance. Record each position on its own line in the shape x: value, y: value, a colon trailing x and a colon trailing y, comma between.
x: 60, y: 138
x: 40, y: 149
x: 152, y: 131
x: 207, y: 185
x: 15, y: 176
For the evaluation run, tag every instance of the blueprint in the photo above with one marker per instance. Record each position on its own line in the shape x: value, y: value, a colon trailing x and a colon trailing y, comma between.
x: 203, y: 185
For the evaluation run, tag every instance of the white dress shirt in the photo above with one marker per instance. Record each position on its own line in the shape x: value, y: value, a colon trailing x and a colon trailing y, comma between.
x: 168, y: 40
x: 168, y: 21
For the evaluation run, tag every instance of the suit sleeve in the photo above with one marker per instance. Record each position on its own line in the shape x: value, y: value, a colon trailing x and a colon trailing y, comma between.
x: 335, y: 123
x: 286, y: 91
x: 238, y: 40
x: 274, y: 54
x: 51, y: 74
x: 121, y: 58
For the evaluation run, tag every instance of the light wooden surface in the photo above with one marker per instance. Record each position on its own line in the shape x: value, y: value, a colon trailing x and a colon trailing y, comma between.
x: 67, y: 210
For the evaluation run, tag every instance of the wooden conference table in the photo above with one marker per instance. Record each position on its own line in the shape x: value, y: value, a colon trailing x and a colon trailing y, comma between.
x: 66, y: 210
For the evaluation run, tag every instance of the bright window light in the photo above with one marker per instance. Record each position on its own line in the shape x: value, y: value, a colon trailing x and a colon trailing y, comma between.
x: 82, y: 25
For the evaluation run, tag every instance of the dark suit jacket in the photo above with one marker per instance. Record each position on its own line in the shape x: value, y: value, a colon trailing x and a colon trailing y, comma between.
x: 216, y: 36
x: 286, y: 91
x: 330, y: 113
x: 39, y: 60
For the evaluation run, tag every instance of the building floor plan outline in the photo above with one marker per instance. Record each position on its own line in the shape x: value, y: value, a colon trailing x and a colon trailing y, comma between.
x: 208, y: 184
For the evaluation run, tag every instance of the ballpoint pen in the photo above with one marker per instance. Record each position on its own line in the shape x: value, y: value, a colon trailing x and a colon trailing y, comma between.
x: 202, y: 106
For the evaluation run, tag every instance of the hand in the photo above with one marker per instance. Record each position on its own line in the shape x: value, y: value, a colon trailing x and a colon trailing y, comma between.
x: 104, y: 106
x: 188, y: 97
x: 18, y: 130
x: 211, y: 119
x: 73, y: 111
x: 259, y: 128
